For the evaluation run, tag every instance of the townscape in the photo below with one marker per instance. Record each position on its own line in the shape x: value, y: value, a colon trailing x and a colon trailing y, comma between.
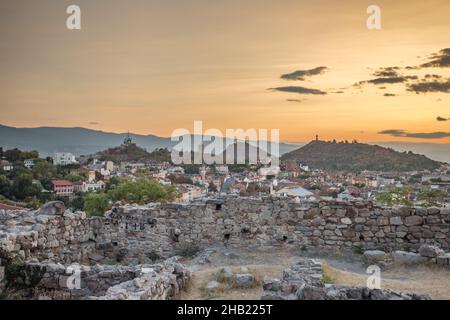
x: 231, y: 158
x: 153, y: 230
x: 82, y: 183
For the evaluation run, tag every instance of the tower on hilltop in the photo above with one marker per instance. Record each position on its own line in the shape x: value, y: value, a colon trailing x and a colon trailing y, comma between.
x: 127, y: 141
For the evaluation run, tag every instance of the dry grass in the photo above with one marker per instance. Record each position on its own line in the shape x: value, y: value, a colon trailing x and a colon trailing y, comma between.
x: 200, y: 279
x: 430, y: 280
x: 328, y: 273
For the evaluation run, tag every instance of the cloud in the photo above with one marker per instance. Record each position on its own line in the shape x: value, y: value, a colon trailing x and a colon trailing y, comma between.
x: 389, y: 95
x: 429, y: 135
x: 418, y: 135
x: 387, y: 72
x: 299, y: 90
x: 302, y: 74
x: 387, y: 80
x: 94, y: 123
x: 438, y: 60
x: 425, y: 86
x: 441, y: 119
x: 433, y: 76
x: 295, y: 100
x: 393, y: 132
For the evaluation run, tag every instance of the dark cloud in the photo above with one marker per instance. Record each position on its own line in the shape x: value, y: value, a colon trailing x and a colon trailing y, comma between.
x: 302, y: 74
x: 387, y: 72
x: 387, y: 80
x: 389, y: 95
x: 295, y: 100
x: 393, y: 132
x: 299, y: 90
x: 438, y: 60
x: 429, y: 135
x: 425, y: 86
x: 419, y: 135
x: 442, y: 119
x: 433, y: 76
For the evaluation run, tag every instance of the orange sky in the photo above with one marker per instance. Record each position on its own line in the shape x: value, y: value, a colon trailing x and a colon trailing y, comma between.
x: 153, y: 66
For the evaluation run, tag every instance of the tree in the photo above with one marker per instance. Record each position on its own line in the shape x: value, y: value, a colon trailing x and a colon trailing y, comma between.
x: 142, y: 191
x: 431, y: 198
x: 394, y: 197
x: 212, y: 187
x: 5, y: 186
x: 191, y: 169
x: 23, y: 187
x: 95, y: 204
x: 77, y: 204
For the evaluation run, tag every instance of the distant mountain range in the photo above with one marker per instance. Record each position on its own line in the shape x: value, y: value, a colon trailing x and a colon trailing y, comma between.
x: 340, y: 156
x: 82, y: 141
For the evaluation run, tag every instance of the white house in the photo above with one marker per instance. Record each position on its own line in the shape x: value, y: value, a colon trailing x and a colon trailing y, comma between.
x: 29, y: 163
x: 94, y: 186
x: 63, y: 159
x: 269, y: 171
x: 6, y: 165
x: 299, y: 192
x: 179, y: 170
x: 222, y: 169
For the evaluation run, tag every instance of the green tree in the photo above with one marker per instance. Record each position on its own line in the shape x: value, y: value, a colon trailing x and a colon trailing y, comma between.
x: 431, y: 198
x: 142, y: 191
x: 95, y: 204
x: 23, y: 187
x: 5, y: 186
x: 394, y: 196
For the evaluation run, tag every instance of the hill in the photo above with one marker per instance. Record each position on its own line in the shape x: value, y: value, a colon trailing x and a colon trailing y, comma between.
x: 82, y: 141
x: 130, y: 152
x: 342, y: 156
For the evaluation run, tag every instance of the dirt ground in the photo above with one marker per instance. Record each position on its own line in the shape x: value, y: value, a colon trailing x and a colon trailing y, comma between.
x: 346, y: 269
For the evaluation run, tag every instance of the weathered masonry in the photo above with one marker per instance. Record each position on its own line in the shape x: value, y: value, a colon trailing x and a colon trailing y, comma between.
x: 135, y: 234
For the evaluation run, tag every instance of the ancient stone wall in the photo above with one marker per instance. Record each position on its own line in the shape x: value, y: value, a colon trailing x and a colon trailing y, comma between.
x: 270, y: 222
x: 140, y: 234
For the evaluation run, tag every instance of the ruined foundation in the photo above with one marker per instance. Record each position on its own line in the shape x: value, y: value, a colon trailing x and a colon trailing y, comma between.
x: 36, y: 247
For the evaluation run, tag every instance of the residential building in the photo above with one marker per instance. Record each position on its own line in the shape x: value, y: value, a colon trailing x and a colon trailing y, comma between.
x: 95, y: 186
x: 6, y: 165
x: 299, y: 192
x: 62, y: 187
x: 29, y: 163
x: 222, y: 169
x: 178, y: 170
x: 63, y: 159
x: 91, y: 176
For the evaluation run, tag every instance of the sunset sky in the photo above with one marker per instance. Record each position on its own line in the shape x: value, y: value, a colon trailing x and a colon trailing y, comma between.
x: 152, y: 66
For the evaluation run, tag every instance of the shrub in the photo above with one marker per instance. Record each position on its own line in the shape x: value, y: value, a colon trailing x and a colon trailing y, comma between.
x: 187, y: 251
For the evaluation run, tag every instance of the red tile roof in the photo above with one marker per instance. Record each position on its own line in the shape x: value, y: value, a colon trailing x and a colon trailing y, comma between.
x: 61, y: 183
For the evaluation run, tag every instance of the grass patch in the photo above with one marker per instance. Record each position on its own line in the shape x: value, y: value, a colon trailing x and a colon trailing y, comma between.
x: 187, y: 251
x: 327, y: 274
x: 227, y: 286
x: 357, y: 250
x: 154, y: 256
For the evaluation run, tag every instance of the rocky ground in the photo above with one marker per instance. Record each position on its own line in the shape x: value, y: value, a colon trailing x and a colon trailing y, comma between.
x: 340, y: 269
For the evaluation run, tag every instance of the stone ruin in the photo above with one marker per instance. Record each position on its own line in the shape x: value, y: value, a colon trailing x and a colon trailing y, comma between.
x: 119, y: 251
x: 304, y: 281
